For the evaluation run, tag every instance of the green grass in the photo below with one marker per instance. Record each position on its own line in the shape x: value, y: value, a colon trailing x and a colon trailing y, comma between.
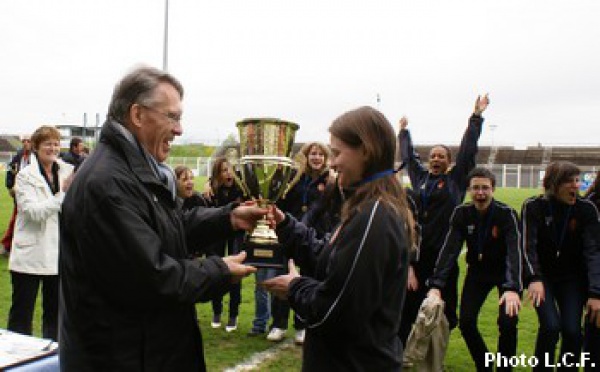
x: 223, y: 350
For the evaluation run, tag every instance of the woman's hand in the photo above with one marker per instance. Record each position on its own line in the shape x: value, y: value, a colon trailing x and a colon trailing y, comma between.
x: 279, y: 285
x: 481, y: 103
x: 536, y: 293
x: 512, y: 303
x: 412, y: 283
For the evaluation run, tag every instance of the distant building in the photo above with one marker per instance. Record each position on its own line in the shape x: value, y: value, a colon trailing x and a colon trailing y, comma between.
x: 68, y: 131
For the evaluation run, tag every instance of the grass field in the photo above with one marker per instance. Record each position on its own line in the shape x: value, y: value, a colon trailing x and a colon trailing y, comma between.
x: 224, y: 350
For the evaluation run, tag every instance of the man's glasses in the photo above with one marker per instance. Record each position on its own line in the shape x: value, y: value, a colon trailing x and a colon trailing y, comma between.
x: 171, y: 117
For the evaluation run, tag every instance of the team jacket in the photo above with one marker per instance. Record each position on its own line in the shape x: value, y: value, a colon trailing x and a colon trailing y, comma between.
x: 439, y: 195
x: 14, y: 167
x: 353, y: 303
x: 561, y: 242
x: 303, y: 194
x: 493, y: 245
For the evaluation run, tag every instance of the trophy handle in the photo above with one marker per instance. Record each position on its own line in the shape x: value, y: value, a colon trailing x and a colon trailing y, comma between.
x: 233, y: 160
x: 300, y: 166
x: 241, y: 185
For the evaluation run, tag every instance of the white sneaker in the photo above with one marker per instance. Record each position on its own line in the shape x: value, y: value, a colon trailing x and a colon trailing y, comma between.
x: 216, y: 321
x: 276, y: 334
x: 232, y: 325
x: 299, y: 338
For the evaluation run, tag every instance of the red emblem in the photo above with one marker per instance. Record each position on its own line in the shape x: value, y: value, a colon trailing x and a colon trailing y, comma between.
x: 440, y: 184
x: 495, y: 232
x: 572, y: 224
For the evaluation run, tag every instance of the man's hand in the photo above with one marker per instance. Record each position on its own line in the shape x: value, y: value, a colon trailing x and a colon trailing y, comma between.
x: 403, y: 123
x: 512, y: 303
x: 593, y: 311
x: 413, y: 283
x: 536, y: 293
x: 279, y: 285
x: 481, y: 103
x: 236, y: 268
x: 434, y: 292
x: 245, y: 216
x: 11, y: 192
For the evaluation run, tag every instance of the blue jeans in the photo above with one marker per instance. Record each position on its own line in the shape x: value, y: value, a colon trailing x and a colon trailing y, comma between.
x: 262, y: 308
x: 560, y: 315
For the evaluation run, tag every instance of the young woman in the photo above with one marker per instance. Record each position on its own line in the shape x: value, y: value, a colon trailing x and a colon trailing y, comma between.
x: 39, y: 189
x: 439, y: 189
x: 185, y: 189
x: 353, y: 302
x: 562, y: 261
x: 592, y: 321
x: 224, y: 191
x: 305, y: 189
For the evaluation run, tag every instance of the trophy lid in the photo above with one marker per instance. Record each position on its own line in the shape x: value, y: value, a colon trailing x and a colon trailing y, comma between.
x: 266, y: 120
x: 266, y: 136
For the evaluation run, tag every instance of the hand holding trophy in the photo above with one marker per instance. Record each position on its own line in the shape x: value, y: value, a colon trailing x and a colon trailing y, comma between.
x: 265, y: 166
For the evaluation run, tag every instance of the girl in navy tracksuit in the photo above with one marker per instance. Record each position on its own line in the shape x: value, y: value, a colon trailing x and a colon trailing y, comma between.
x: 305, y: 189
x: 224, y: 191
x: 439, y: 191
x: 562, y: 261
x: 353, y: 301
x: 592, y: 332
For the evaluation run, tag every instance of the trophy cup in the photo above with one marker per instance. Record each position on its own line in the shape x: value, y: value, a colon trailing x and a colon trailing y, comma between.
x: 265, y: 166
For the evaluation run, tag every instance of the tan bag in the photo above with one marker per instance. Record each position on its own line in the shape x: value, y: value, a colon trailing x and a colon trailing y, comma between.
x: 426, y: 345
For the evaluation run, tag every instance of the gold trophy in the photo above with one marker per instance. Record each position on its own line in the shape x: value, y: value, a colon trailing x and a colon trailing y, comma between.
x: 264, y: 167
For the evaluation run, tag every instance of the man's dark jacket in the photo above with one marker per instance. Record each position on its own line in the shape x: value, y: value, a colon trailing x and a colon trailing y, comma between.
x: 127, y: 289
x: 14, y: 168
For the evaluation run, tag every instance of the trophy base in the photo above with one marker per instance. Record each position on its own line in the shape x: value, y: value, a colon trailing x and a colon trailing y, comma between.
x: 264, y: 255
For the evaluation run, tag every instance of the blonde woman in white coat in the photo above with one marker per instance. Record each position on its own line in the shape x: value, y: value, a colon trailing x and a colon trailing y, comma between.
x: 39, y: 189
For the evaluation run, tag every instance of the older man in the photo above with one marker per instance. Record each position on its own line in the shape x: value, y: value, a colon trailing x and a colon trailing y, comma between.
x: 128, y: 287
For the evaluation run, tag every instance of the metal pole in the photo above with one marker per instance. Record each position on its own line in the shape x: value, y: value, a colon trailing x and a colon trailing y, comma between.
x: 96, y: 134
x: 84, y: 129
x: 166, y: 41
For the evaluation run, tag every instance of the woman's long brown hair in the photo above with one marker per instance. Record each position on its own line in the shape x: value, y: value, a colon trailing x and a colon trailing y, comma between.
x: 370, y: 129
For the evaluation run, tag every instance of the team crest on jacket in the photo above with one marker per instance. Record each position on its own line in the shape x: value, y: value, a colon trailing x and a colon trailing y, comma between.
x: 573, y: 224
x: 495, y: 232
x: 470, y: 229
x: 321, y: 187
x: 440, y: 184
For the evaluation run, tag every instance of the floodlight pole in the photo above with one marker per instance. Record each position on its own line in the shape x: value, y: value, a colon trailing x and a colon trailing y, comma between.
x: 492, y: 130
x: 166, y: 37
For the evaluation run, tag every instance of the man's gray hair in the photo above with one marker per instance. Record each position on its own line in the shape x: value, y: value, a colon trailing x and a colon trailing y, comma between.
x: 138, y: 87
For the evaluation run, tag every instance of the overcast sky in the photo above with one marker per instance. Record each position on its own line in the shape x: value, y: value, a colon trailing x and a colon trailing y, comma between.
x: 310, y: 61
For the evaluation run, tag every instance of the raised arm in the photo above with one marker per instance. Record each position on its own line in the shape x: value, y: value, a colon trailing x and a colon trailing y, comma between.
x: 466, y: 157
x: 408, y: 155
